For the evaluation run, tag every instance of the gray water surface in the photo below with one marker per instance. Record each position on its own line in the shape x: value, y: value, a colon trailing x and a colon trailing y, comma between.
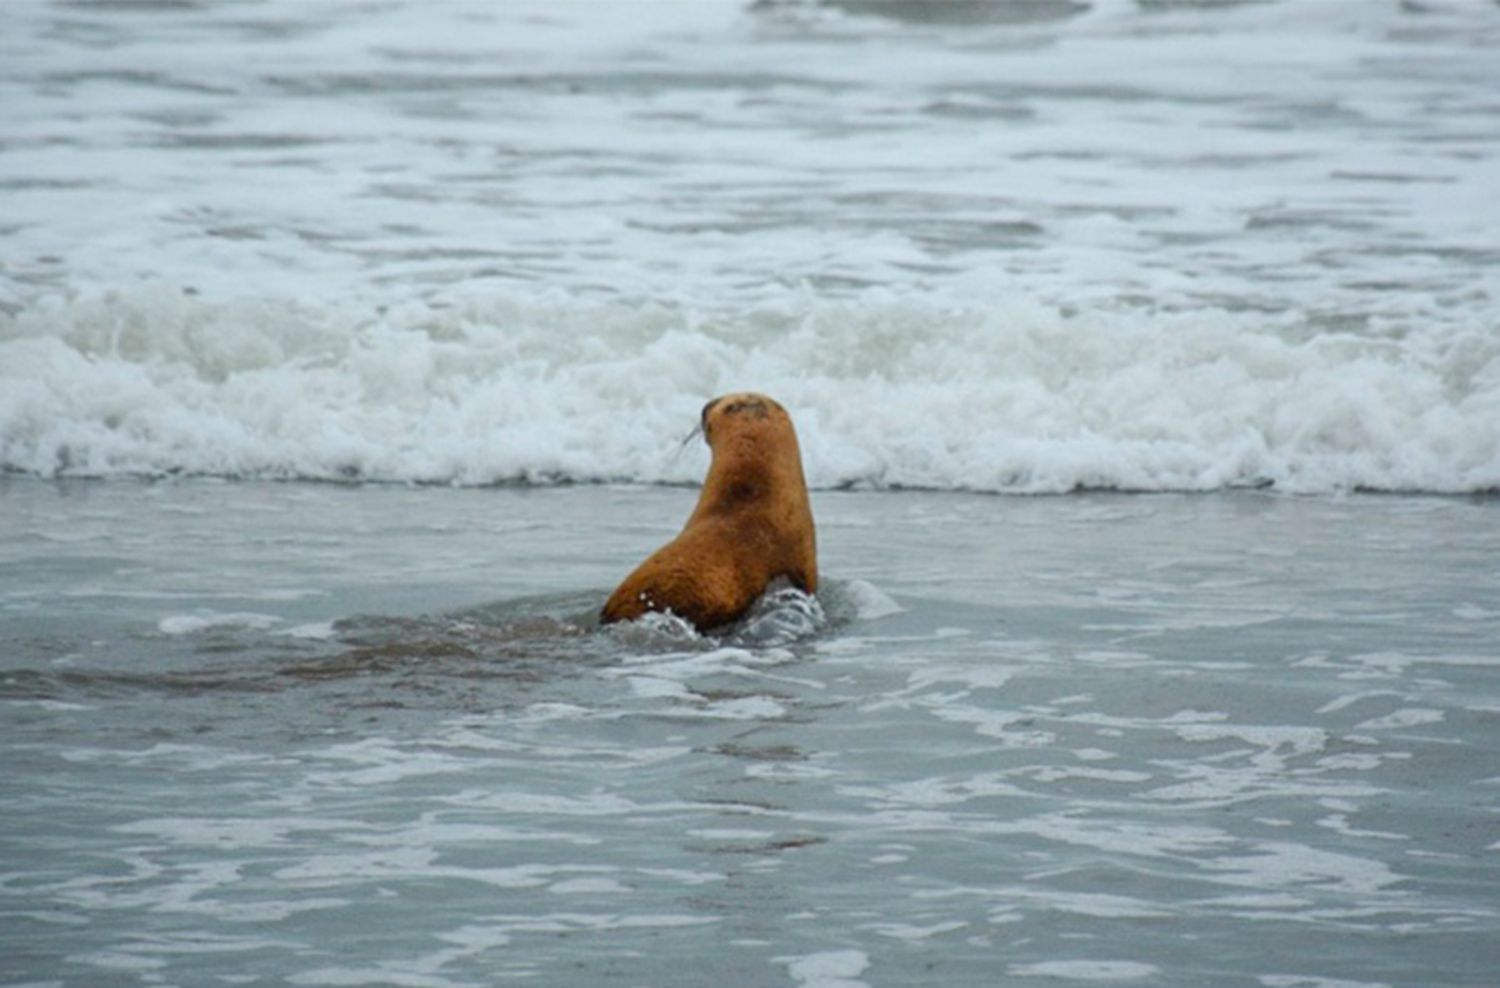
x: 315, y: 734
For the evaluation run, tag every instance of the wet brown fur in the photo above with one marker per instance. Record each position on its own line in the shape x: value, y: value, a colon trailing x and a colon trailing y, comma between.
x: 752, y: 524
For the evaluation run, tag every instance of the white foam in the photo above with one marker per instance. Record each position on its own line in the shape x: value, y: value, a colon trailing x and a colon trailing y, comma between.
x: 119, y: 960
x: 829, y: 969
x: 190, y: 624
x: 870, y: 602
x: 912, y: 933
x: 1004, y: 397
x: 1289, y: 865
x: 1316, y: 981
x: 317, y: 631
x: 746, y: 708
x: 1405, y: 717
x: 55, y: 706
x: 1086, y: 970
x: 782, y: 615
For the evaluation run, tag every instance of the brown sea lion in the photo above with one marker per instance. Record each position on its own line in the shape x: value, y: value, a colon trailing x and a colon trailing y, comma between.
x: 752, y: 524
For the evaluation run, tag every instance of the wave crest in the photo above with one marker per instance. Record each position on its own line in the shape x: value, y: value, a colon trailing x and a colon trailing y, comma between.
x: 886, y: 393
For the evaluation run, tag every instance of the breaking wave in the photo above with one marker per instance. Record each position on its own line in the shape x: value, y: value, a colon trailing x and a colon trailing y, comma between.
x: 886, y: 392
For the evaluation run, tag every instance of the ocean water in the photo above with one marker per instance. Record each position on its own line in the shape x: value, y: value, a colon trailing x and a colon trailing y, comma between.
x: 1145, y: 357
x: 1027, y: 246
x: 341, y: 735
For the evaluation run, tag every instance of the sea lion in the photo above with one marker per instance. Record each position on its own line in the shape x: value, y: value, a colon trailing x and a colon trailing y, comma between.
x: 752, y: 524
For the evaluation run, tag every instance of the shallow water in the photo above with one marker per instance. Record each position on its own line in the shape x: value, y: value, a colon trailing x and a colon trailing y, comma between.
x: 321, y: 734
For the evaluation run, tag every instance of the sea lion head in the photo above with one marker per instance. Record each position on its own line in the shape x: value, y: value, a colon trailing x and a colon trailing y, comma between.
x: 741, y: 413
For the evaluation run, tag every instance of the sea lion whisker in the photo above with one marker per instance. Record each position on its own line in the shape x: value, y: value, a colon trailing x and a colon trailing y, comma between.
x: 695, y: 434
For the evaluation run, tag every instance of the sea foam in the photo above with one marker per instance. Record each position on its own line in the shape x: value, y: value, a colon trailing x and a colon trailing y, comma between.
x: 1010, y: 396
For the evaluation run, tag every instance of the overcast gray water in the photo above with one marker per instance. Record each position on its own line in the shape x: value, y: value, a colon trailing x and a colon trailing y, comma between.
x: 1167, y: 740
x: 347, y: 351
